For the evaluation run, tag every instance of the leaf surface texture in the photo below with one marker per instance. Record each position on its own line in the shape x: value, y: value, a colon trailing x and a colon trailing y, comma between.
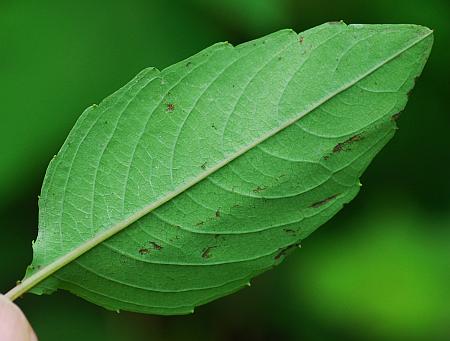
x: 219, y: 165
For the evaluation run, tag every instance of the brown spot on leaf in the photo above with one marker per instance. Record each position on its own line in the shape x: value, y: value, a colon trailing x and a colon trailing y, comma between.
x: 156, y: 246
x: 203, y: 166
x: 259, y: 189
x: 206, y: 253
x: 170, y: 107
x: 290, y: 231
x: 396, y: 116
x: 217, y: 214
x: 300, y: 39
x: 200, y: 223
x: 346, y: 144
x: 284, y: 251
x: 324, y: 201
x: 339, y: 147
x: 144, y: 251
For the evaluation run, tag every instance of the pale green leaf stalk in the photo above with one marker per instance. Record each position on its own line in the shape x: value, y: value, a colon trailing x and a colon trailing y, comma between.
x: 188, y: 182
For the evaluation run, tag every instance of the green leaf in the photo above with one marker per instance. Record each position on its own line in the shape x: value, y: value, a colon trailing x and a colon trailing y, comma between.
x: 188, y: 182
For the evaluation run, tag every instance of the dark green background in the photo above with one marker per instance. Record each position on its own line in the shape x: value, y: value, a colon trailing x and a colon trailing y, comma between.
x: 380, y: 270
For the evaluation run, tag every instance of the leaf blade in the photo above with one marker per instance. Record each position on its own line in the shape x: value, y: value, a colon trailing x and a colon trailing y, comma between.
x: 257, y: 146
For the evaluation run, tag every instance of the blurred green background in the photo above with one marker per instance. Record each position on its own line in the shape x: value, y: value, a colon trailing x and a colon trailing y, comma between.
x: 380, y: 270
